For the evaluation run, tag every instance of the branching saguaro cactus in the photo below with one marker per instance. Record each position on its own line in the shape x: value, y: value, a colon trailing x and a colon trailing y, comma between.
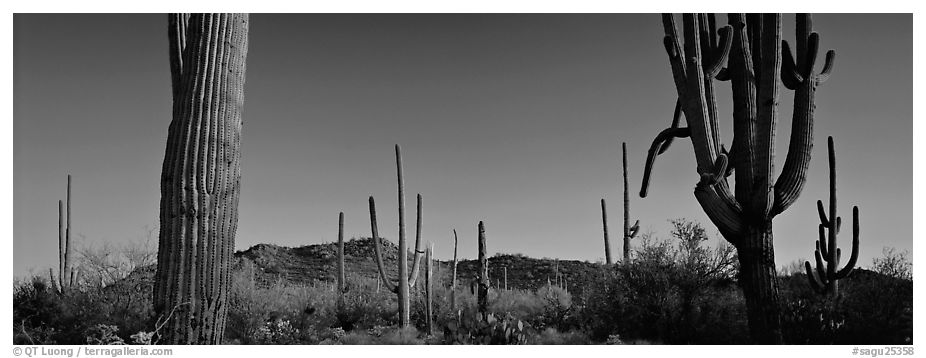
x: 453, y: 277
x: 483, y: 298
x: 200, y: 178
x: 341, y: 279
x: 630, y: 232
x: 66, y: 273
x: 405, y: 280
x: 824, y: 278
x: 755, y: 58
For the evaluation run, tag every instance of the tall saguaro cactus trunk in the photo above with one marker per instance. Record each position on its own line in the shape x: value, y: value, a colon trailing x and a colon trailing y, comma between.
x: 483, y: 298
x: 428, y: 290
x: 341, y: 279
x: 604, y: 228
x: 453, y: 277
x: 750, y: 53
x: 200, y: 178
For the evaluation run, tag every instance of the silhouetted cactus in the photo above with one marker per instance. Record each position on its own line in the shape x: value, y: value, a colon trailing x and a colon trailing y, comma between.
x: 65, y: 271
x: 753, y: 45
x: 824, y: 278
x: 630, y: 232
x: 428, y: 291
x: 604, y: 226
x: 341, y: 252
x: 200, y: 178
x: 405, y: 282
x: 453, y: 279
x: 483, y: 298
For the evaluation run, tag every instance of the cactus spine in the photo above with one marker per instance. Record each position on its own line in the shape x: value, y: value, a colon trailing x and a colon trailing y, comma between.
x: 757, y: 59
x: 428, y: 293
x: 453, y: 279
x: 341, y: 252
x: 404, y: 283
x: 200, y: 177
x: 604, y: 226
x: 483, y: 298
x: 630, y: 232
x: 823, y: 279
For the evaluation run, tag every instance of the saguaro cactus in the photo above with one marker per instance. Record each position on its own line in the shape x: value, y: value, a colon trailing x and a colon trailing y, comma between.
x: 200, y: 178
x: 405, y: 282
x: 65, y: 271
x: 823, y: 279
x: 483, y: 298
x: 604, y: 227
x: 341, y: 252
x: 754, y: 47
x: 453, y: 278
x: 428, y: 293
x: 630, y: 232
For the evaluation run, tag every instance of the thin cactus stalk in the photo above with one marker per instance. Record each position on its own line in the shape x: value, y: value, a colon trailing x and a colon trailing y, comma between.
x: 824, y: 277
x: 51, y: 280
x: 604, y: 226
x: 756, y: 57
x: 67, y: 241
x: 630, y: 232
x: 60, y: 241
x: 428, y: 290
x: 406, y: 280
x: 200, y: 177
x: 341, y: 279
x: 483, y: 298
x: 453, y: 278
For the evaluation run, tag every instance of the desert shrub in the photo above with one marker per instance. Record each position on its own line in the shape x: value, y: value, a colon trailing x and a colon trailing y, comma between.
x: 553, y: 337
x: 477, y: 328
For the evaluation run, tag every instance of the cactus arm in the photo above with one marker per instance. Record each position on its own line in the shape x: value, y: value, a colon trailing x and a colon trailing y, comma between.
x: 766, y: 115
x: 721, y: 54
x: 178, y: 25
x: 742, y: 78
x: 822, y: 213
x: 413, y: 277
x: 821, y: 267
x: 720, y: 211
x: 696, y: 104
x: 789, y: 73
x: 658, y: 142
x: 827, y: 67
x: 853, y: 258
x: 378, y: 250
x: 790, y: 182
x: 821, y: 242
x: 813, y: 277
x: 676, y: 117
x: 675, y: 52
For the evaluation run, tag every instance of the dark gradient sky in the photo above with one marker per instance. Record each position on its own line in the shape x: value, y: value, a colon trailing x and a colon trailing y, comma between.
x: 516, y: 120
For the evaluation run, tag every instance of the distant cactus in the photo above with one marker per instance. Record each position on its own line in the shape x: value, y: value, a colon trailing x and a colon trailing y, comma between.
x: 751, y: 54
x: 201, y: 176
x: 405, y: 281
x: 428, y: 291
x: 630, y: 232
x: 824, y: 278
x: 604, y: 226
x: 453, y: 279
x: 341, y: 279
x: 483, y: 298
x: 65, y: 271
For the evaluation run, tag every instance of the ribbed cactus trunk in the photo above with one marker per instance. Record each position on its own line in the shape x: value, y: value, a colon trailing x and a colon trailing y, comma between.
x: 200, y: 178
x: 750, y: 53
x: 824, y: 278
x: 453, y: 278
x: 483, y: 297
x: 604, y: 227
x: 341, y: 279
x: 65, y: 271
x: 629, y: 231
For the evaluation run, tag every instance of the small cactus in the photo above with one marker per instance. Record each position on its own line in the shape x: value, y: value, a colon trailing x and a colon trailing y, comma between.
x: 824, y: 277
x: 453, y: 279
x: 483, y: 299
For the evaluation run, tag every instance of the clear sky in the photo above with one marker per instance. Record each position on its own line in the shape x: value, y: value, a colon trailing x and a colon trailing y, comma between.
x: 515, y: 119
